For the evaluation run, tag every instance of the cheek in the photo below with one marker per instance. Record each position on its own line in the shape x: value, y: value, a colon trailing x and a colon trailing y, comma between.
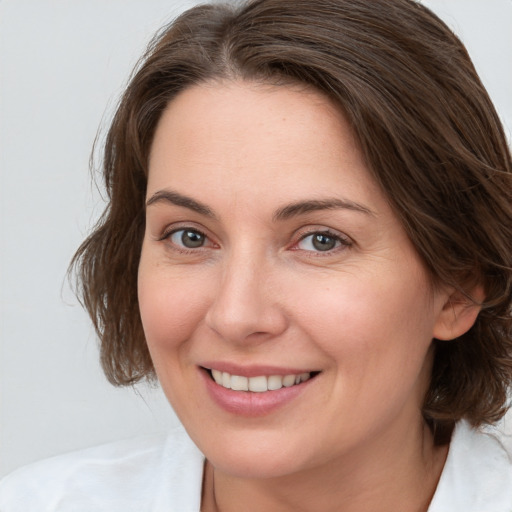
x: 171, y: 306
x: 371, y: 326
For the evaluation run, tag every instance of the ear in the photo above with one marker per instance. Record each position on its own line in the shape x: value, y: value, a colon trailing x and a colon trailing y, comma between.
x: 458, y: 313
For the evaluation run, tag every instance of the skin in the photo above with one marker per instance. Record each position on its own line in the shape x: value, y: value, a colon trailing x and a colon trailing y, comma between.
x: 258, y: 291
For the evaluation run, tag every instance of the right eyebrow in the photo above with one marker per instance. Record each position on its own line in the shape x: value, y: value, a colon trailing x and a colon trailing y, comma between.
x: 302, y: 207
x: 175, y: 198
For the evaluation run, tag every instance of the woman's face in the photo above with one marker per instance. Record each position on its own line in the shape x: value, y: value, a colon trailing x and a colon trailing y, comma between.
x: 271, y: 257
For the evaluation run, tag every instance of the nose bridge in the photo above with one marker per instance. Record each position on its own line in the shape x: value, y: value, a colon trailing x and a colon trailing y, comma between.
x: 244, y: 306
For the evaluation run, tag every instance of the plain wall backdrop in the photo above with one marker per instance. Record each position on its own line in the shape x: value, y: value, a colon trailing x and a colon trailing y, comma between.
x: 62, y: 67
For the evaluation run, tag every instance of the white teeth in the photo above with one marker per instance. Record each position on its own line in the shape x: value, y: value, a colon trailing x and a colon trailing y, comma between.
x: 217, y: 376
x: 289, y: 381
x: 258, y: 384
x: 274, y: 382
x: 239, y: 383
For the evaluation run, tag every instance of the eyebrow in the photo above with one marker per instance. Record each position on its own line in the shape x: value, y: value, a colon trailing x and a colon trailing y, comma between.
x: 302, y: 207
x: 169, y: 196
x: 286, y: 212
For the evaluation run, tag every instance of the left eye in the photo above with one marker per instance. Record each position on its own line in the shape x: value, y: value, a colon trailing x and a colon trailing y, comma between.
x: 189, y: 238
x: 320, y: 242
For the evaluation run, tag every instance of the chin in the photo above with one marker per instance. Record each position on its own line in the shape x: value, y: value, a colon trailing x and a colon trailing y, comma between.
x: 254, y: 459
x: 246, y: 467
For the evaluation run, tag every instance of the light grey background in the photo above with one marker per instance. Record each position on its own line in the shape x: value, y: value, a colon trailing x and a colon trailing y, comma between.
x: 62, y: 67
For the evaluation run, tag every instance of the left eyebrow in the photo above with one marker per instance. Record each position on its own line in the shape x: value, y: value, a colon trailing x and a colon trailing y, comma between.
x: 172, y: 197
x: 302, y: 207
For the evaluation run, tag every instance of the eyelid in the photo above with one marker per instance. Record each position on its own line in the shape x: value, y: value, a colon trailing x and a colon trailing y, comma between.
x: 180, y: 225
x: 184, y: 226
x: 303, y: 233
x: 174, y: 229
x: 344, y: 240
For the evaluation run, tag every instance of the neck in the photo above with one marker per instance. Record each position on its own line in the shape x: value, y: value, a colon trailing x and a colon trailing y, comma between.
x: 398, y: 471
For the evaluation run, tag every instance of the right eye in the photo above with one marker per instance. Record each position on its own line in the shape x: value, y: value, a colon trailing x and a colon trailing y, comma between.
x: 187, y: 238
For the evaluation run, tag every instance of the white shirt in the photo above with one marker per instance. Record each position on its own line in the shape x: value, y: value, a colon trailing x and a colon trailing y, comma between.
x: 164, y: 474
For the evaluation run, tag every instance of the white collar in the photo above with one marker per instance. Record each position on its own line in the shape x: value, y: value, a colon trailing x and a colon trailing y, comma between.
x: 477, y: 476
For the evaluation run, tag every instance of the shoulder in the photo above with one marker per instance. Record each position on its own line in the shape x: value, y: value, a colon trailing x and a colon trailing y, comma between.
x: 477, y: 476
x: 150, y: 473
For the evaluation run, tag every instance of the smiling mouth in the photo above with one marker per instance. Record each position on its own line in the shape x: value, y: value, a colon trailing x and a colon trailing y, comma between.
x: 259, y: 384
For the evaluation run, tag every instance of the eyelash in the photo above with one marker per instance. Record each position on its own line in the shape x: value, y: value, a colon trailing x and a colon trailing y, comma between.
x: 167, y: 235
x: 342, y: 242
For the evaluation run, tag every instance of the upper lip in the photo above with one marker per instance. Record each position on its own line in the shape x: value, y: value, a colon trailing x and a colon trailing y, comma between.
x: 254, y: 370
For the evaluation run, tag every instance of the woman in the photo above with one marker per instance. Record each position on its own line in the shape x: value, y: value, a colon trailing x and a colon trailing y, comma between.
x: 308, y: 242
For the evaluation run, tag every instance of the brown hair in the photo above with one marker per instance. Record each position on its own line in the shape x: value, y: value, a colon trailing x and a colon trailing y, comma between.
x: 427, y: 129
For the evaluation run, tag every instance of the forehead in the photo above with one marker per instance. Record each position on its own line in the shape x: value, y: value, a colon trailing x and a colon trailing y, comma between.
x: 253, y: 139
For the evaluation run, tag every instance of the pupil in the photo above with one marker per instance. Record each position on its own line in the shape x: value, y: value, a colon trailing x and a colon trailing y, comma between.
x: 323, y: 242
x: 192, y: 239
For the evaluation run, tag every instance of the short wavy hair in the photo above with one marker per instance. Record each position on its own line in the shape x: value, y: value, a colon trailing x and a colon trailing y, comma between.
x: 426, y: 126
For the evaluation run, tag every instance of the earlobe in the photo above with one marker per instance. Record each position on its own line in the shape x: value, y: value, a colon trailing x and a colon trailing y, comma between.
x: 458, y: 314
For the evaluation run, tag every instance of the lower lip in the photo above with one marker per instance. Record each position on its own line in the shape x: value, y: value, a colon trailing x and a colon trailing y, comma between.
x: 251, y: 404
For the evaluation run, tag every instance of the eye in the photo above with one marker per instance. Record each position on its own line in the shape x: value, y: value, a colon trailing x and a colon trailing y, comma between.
x: 321, y: 241
x: 187, y: 238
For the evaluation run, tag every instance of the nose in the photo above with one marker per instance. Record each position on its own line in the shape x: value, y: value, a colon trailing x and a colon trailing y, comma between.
x: 246, y: 306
